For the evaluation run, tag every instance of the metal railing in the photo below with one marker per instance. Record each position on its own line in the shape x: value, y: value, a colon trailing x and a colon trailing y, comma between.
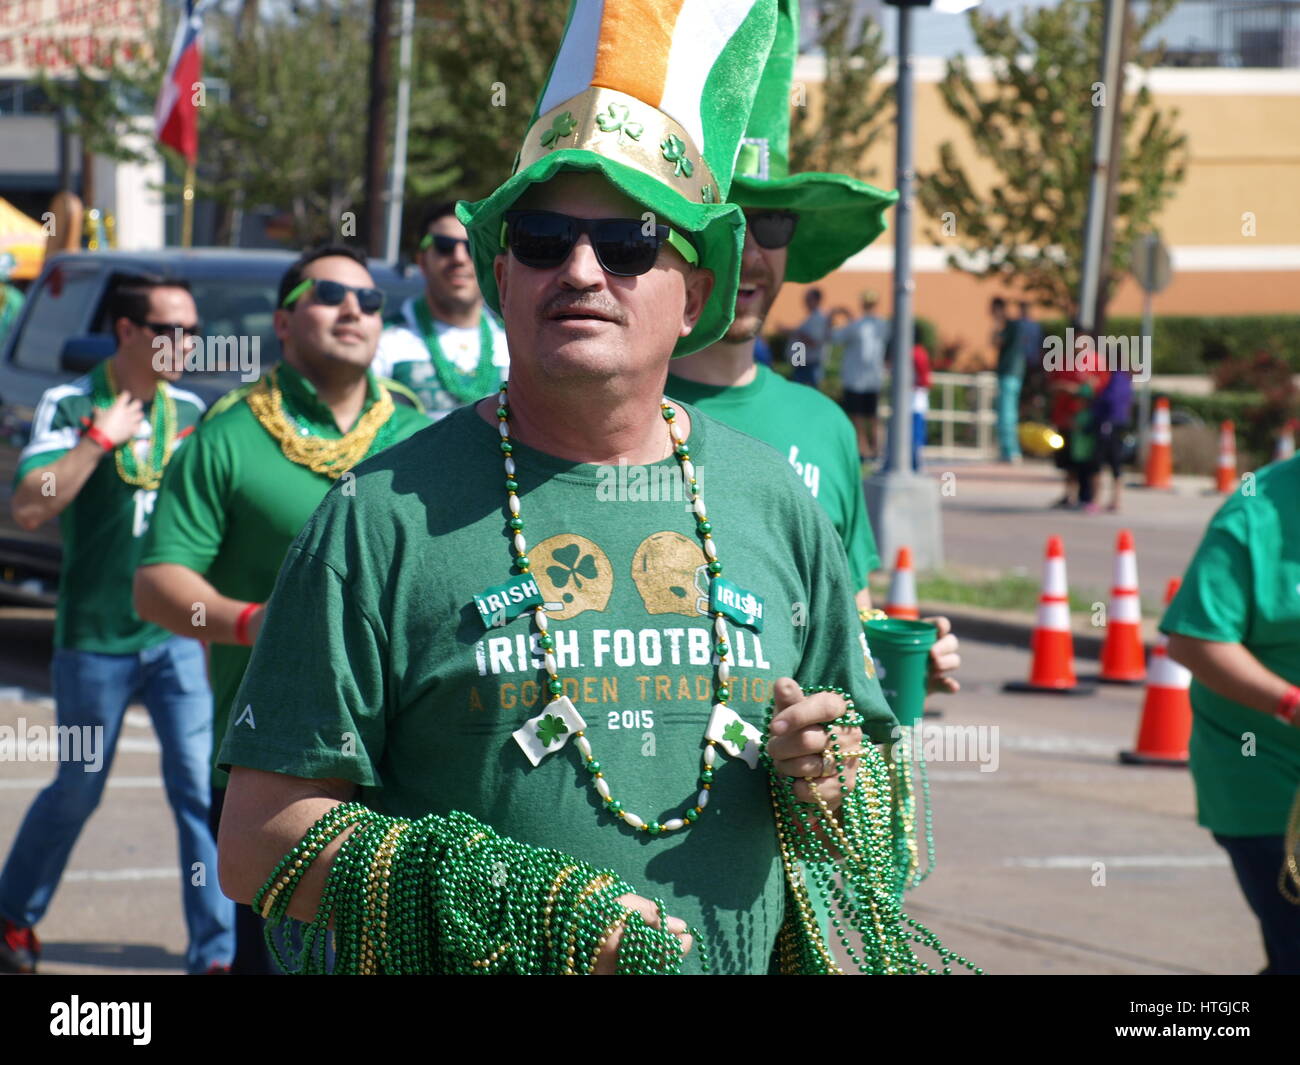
x: 963, y: 406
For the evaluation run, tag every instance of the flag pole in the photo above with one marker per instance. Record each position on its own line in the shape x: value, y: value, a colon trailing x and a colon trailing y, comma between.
x: 187, y: 207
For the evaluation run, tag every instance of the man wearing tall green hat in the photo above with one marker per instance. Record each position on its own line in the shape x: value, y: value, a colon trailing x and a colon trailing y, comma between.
x: 538, y: 723
x: 799, y: 227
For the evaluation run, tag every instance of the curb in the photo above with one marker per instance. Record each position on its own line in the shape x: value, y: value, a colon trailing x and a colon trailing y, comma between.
x: 1016, y: 629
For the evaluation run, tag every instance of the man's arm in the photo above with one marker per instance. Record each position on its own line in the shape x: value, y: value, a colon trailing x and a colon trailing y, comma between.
x: 266, y: 814
x: 264, y: 817
x: 1228, y: 669
x: 32, y: 505
x: 170, y: 595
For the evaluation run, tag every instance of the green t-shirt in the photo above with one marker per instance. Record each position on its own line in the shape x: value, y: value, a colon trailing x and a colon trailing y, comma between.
x: 812, y: 432
x: 1243, y: 586
x: 1011, y: 355
x: 233, y: 503
x: 103, y: 528
x: 374, y: 666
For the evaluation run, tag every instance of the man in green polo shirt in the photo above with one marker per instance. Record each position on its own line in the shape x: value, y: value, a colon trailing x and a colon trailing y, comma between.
x: 444, y: 345
x: 255, y: 472
x: 95, y: 459
x: 1235, y: 623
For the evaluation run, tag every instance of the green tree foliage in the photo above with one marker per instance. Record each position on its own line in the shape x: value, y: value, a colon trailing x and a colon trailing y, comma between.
x: 851, y: 113
x: 288, y: 131
x: 1034, y: 124
x: 479, y: 68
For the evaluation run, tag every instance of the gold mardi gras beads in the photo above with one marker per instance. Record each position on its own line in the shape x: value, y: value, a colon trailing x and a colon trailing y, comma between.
x: 333, y: 458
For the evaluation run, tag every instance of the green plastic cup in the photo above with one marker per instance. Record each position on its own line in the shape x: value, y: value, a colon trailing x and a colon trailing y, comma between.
x: 901, y: 650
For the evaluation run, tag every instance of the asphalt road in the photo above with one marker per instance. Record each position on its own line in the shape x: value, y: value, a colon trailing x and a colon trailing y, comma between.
x: 998, y: 518
x: 1017, y: 887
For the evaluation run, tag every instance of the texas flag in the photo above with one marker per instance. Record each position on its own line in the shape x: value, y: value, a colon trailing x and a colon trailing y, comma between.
x: 175, y: 118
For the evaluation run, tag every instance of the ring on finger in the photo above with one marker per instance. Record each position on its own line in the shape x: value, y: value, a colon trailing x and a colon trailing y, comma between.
x: 828, y: 762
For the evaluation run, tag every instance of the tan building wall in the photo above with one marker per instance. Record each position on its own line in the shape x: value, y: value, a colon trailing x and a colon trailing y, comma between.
x: 1233, y: 225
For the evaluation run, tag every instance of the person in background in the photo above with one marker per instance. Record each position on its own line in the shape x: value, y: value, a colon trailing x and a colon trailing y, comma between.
x: 11, y: 300
x: 762, y: 352
x: 813, y: 334
x: 98, y: 448
x: 1030, y: 333
x: 862, y: 371
x: 1110, y: 418
x: 443, y: 345
x: 234, y: 501
x: 1235, y: 623
x: 1008, y: 343
x: 920, y: 394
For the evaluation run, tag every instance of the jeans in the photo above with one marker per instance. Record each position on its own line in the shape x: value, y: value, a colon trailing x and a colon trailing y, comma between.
x: 92, y: 689
x: 1257, y: 860
x: 1009, y: 416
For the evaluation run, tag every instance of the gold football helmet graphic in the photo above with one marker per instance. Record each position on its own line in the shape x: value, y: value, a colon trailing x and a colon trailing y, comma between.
x: 672, y: 575
x: 573, y: 575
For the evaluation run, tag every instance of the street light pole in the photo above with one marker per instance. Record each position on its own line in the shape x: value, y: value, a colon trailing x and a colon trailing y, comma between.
x: 397, y: 185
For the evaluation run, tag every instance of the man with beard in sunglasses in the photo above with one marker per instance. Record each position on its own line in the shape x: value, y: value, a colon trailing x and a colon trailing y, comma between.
x: 797, y: 228
x: 445, y: 345
x: 491, y: 614
x: 239, y: 494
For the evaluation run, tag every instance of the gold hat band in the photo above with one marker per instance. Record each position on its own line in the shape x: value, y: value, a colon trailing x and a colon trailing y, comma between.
x: 617, y: 126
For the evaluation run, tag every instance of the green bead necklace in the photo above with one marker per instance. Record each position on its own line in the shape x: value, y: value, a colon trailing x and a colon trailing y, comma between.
x: 465, y: 387
x: 162, y: 423
x: 554, y: 686
x: 448, y: 895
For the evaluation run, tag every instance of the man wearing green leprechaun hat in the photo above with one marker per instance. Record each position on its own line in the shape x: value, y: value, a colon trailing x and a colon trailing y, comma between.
x: 799, y: 227
x: 534, y: 725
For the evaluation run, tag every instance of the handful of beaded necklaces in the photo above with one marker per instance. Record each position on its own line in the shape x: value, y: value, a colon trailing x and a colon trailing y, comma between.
x: 459, y: 899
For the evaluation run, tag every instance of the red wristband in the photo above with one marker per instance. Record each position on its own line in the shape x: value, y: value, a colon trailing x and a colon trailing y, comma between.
x: 1288, y: 705
x: 241, y: 624
x: 100, y: 437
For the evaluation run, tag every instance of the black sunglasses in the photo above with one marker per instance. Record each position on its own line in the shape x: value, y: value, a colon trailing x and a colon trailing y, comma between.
x: 160, y: 329
x: 772, y: 229
x: 441, y: 243
x: 333, y: 293
x: 625, y: 247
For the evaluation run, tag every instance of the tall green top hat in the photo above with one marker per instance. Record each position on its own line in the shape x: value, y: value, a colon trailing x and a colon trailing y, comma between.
x: 654, y: 95
x: 838, y: 215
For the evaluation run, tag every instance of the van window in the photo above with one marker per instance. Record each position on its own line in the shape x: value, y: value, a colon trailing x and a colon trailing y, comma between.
x: 239, y: 341
x: 58, y: 307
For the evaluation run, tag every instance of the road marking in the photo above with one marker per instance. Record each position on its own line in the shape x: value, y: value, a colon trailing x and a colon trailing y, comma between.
x: 13, y: 694
x: 1061, y: 744
x: 1135, y: 861
x: 102, y: 875
x: 35, y: 783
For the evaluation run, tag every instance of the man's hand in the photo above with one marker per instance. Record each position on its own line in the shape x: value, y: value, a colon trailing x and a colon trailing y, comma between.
x: 799, y: 736
x: 944, y: 658
x: 607, y: 959
x: 120, y: 421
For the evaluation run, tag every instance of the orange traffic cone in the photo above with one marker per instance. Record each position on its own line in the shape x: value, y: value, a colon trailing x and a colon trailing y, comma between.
x: 1166, y: 725
x: 1122, y: 658
x: 902, y: 588
x: 1160, y: 454
x: 1285, y: 448
x: 1226, y: 471
x: 1053, y: 645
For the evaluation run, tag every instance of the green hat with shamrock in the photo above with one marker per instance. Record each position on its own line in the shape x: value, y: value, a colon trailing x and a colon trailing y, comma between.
x: 654, y: 95
x: 838, y: 215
